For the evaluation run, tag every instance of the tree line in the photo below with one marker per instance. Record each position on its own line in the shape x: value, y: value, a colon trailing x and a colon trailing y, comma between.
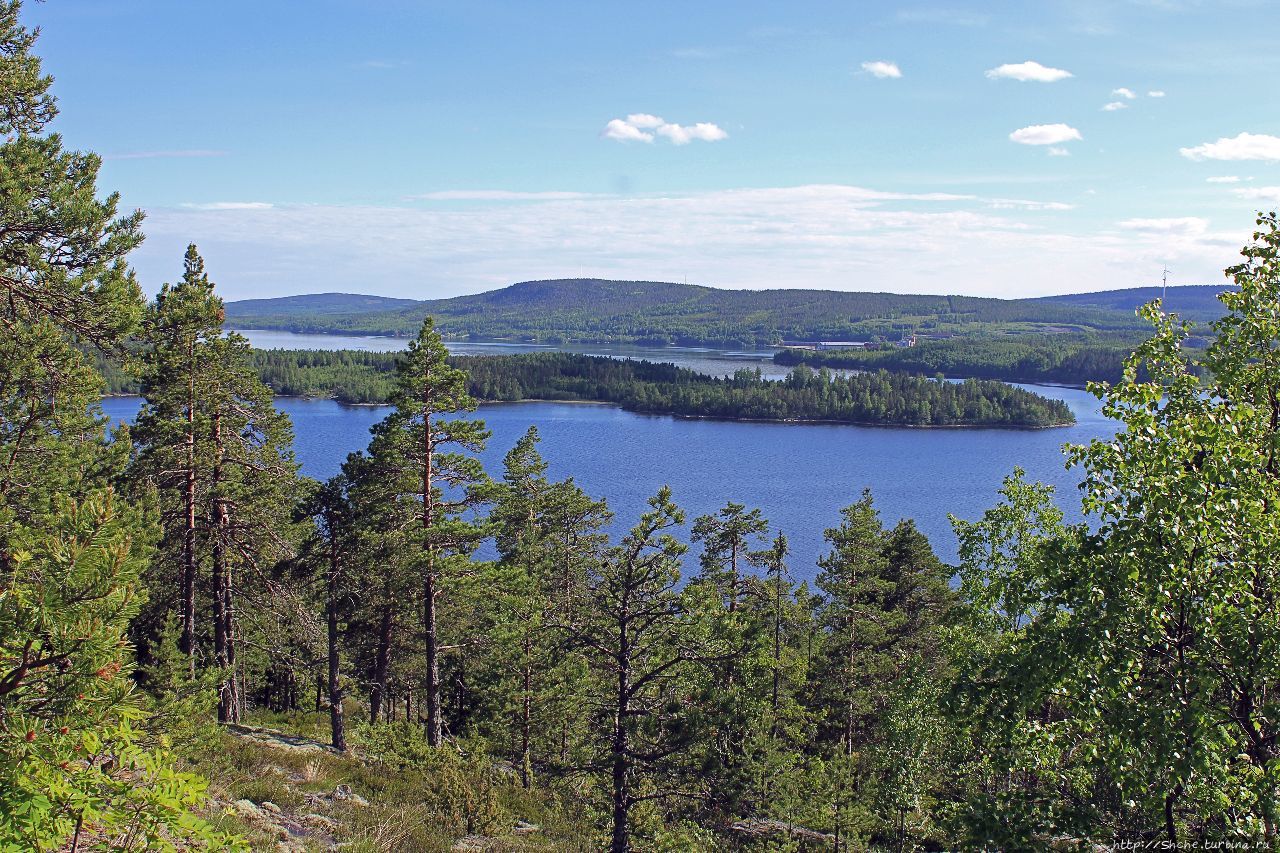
x: 878, y: 398
x: 664, y: 313
x: 1059, y: 359
x: 1080, y: 686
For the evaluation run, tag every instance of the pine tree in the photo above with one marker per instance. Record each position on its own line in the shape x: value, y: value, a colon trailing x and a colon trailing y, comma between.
x: 176, y: 374
x: 72, y: 550
x: 332, y: 547
x: 436, y: 484
x: 547, y: 536
x: 219, y: 454
x: 635, y: 635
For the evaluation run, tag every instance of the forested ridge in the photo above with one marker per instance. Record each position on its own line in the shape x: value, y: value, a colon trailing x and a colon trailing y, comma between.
x: 641, y: 386
x: 596, y: 310
x: 170, y: 590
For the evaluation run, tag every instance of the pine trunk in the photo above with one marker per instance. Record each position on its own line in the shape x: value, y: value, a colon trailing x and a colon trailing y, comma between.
x: 187, y: 640
x: 335, y: 688
x: 382, y: 660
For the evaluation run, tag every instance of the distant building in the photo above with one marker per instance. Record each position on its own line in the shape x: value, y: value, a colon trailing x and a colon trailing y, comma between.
x: 908, y: 341
x: 820, y: 345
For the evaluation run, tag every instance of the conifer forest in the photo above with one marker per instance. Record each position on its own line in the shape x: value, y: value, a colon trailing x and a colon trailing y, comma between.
x: 202, y: 649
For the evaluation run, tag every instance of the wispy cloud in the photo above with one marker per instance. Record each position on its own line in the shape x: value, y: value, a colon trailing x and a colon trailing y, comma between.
x: 829, y: 236
x: 1029, y: 71
x: 1122, y: 92
x: 1186, y: 225
x: 1155, y: 93
x: 1270, y: 195
x: 882, y: 69
x: 1045, y: 134
x: 499, y: 195
x: 230, y: 205
x: 1057, y: 151
x: 154, y: 155
x: 1245, y: 146
x: 1223, y: 179
x: 1027, y: 204
x: 643, y: 127
x: 1113, y: 106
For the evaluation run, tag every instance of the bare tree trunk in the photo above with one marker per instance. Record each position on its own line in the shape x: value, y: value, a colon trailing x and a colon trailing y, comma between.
x: 526, y: 712
x: 621, y: 840
x: 435, y: 725
x: 335, y: 687
x: 187, y: 585
x: 221, y: 638
x: 382, y: 661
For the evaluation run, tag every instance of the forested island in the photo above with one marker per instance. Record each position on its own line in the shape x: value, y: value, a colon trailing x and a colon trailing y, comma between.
x: 879, y: 398
x: 201, y: 649
x: 1063, y: 360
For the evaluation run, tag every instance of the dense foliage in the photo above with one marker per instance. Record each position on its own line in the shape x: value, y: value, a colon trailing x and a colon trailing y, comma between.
x: 1060, y: 359
x: 78, y: 764
x: 1085, y: 687
x: 805, y: 395
x: 594, y: 310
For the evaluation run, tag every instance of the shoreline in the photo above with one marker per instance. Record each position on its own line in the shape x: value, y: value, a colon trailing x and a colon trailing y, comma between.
x: 680, y: 416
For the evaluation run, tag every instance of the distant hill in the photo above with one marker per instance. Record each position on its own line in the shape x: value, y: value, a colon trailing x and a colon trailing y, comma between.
x: 654, y: 312
x: 1194, y: 302
x: 323, y: 304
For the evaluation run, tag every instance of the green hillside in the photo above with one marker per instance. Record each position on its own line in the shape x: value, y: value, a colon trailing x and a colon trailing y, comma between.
x: 324, y: 304
x: 596, y: 310
x: 1194, y: 302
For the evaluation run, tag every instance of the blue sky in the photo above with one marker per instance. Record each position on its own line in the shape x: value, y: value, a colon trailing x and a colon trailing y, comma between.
x: 424, y: 149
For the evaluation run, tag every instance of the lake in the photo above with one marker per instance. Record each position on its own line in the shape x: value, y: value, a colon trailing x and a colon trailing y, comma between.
x: 708, y: 360
x: 800, y: 475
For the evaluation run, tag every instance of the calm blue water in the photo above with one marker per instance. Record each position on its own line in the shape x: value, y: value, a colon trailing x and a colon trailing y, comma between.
x: 799, y: 475
x: 713, y: 362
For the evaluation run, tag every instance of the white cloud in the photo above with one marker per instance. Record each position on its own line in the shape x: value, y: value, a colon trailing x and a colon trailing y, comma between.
x: 231, y: 205
x: 1224, y: 179
x: 1122, y: 92
x: 1245, y: 146
x: 497, y: 195
x: 1113, y: 106
x: 1155, y: 93
x: 644, y: 120
x: 683, y: 135
x: 1057, y: 151
x: 619, y: 130
x: 1045, y: 134
x: 1270, y: 195
x: 882, y: 69
x: 637, y: 126
x: 1028, y: 71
